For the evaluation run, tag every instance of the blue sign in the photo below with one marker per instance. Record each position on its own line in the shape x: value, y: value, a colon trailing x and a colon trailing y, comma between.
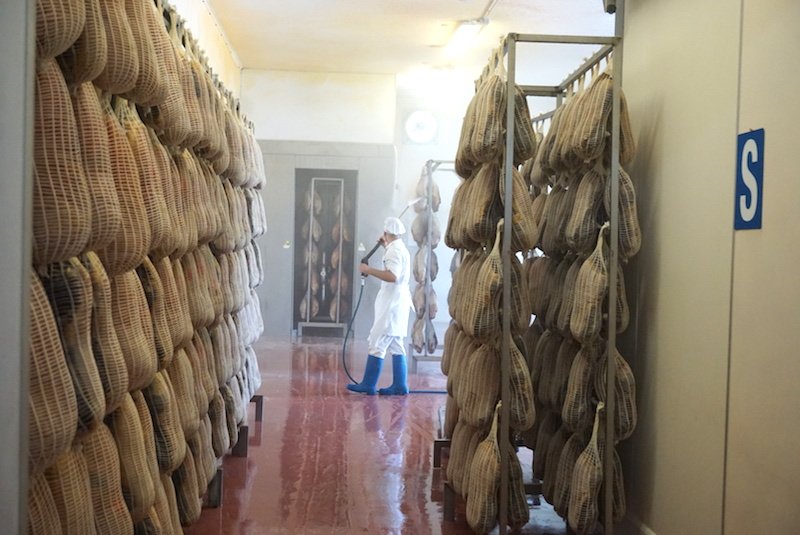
x: 749, y: 180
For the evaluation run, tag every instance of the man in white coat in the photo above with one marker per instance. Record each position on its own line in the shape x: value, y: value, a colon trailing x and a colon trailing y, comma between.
x: 392, y: 308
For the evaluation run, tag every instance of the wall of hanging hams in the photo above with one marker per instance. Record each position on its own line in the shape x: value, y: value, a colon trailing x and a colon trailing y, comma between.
x: 147, y: 200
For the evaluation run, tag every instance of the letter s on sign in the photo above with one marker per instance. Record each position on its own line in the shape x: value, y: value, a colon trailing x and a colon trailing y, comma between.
x: 749, y: 156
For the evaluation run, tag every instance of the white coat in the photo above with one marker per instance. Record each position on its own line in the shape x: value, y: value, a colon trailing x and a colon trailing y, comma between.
x: 393, y: 303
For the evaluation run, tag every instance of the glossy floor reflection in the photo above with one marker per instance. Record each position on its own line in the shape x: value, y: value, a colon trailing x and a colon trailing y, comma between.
x: 327, y: 461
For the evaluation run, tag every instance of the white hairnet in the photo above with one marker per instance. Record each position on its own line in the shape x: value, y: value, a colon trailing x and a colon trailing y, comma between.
x: 393, y: 225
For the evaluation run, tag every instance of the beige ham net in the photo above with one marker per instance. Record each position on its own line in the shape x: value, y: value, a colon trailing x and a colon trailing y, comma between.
x: 169, y: 118
x: 455, y: 235
x: 518, y: 512
x: 587, y: 478
x: 69, y: 290
x: 481, y: 311
x: 557, y: 213
x: 520, y: 297
x: 149, y: 87
x: 182, y: 379
x: 581, y: 230
x: 236, y: 168
x: 487, y: 137
x: 42, y: 511
x: 459, y: 443
x: 550, y: 222
x: 568, y: 297
x: 186, y: 490
x: 156, y: 302
x: 172, y: 503
x: 482, y: 207
x: 465, y: 161
x: 484, y: 481
x: 220, y: 441
x: 566, y: 464
x: 550, y: 424
x: 625, y: 412
x: 577, y: 409
x: 589, y: 135
x: 170, y: 444
x: 560, y: 378
x: 555, y: 287
x: 537, y: 269
x: 630, y: 234
x: 591, y: 287
x: 554, y: 450
x: 150, y: 179
x: 134, y: 328
x: 68, y: 479
x: 545, y: 352
x: 451, y: 415
x: 58, y: 24
x: 183, y: 301
x: 525, y: 142
x: 61, y: 200
x: 52, y: 411
x: 522, y: 412
x: 122, y: 65
x: 136, y: 480
x: 143, y: 412
x: 477, y: 436
x: 130, y: 244
x: 102, y: 460
x: 200, y: 377
x: 524, y: 231
x: 86, y: 58
x: 108, y: 356
x: 106, y: 216
x: 230, y: 413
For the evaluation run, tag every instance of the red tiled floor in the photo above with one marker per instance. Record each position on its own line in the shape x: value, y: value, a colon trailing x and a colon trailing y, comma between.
x: 326, y: 461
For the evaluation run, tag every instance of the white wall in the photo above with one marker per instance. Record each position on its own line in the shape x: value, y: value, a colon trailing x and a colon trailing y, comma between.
x: 203, y: 23
x: 313, y: 106
x: 680, y: 77
x: 764, y: 431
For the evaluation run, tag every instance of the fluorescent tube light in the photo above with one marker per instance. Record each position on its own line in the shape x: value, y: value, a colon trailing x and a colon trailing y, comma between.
x: 464, y: 35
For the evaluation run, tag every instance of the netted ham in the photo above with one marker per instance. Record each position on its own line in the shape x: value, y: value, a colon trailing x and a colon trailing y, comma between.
x: 484, y: 481
x: 86, y: 58
x: 58, y: 24
x: 136, y: 480
x: 61, y: 200
x: 122, y: 64
x: 587, y: 477
x: 69, y: 290
x: 591, y: 287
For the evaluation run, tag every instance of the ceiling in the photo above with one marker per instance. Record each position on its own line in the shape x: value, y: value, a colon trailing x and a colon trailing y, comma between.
x: 390, y: 36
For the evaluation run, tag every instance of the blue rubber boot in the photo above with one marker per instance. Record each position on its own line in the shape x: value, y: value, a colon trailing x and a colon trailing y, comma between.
x: 370, y: 380
x: 399, y: 378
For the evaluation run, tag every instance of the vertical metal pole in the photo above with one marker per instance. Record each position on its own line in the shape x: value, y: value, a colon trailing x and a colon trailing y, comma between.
x: 429, y: 247
x: 17, y: 63
x: 505, y: 353
x: 337, y: 319
x: 610, y: 438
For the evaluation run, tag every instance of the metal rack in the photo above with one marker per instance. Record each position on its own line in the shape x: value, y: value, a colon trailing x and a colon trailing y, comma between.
x: 608, y: 45
x: 431, y: 166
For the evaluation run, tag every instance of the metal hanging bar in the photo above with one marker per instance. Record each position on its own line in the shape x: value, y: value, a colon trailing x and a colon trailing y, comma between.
x: 505, y: 351
x: 593, y: 60
x: 611, y: 401
x: 564, y: 39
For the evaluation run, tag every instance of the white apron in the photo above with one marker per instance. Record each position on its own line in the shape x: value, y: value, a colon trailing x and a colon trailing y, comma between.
x: 393, y: 303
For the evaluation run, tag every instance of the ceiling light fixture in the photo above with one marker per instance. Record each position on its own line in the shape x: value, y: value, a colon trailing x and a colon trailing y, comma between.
x: 464, y: 35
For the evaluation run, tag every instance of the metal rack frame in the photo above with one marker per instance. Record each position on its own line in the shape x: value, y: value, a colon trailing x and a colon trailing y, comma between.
x: 431, y: 166
x: 509, y: 49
